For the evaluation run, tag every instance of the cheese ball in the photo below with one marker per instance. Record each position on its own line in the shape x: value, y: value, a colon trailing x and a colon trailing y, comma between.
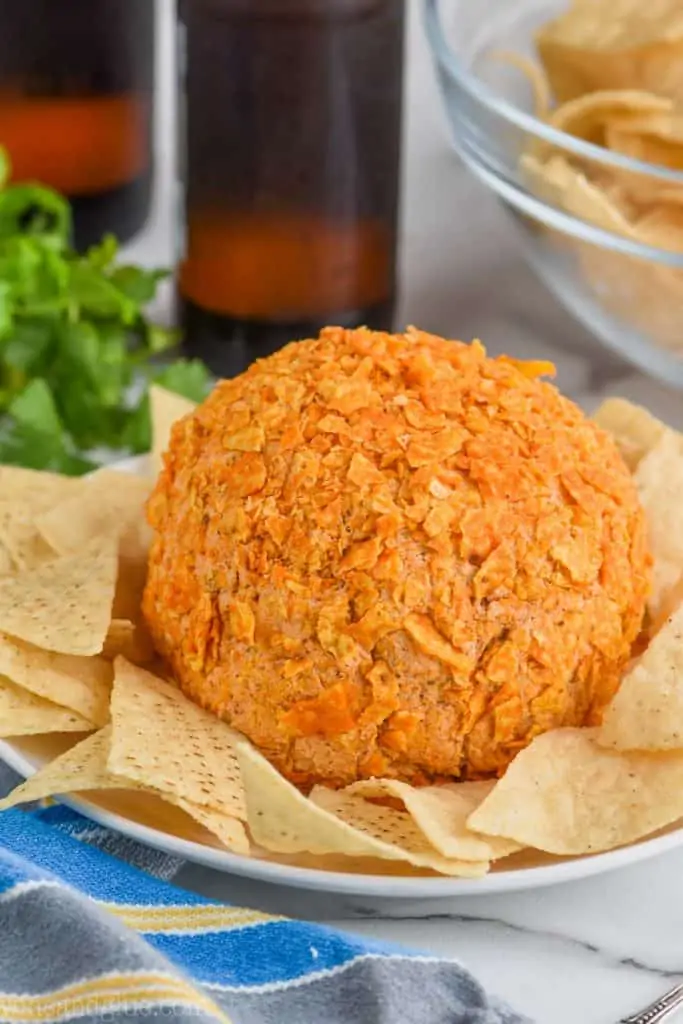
x: 391, y: 555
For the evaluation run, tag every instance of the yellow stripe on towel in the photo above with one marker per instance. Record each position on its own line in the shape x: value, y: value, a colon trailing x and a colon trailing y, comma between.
x: 114, y: 992
x: 185, y: 919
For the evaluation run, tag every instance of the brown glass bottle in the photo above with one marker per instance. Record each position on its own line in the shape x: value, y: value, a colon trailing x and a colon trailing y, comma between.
x: 76, y: 105
x: 292, y: 132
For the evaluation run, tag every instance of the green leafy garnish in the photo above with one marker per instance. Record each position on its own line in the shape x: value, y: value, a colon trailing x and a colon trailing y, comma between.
x: 76, y: 348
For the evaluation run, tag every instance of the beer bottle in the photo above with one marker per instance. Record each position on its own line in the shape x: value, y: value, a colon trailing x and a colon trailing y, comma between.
x: 76, y: 104
x: 292, y: 132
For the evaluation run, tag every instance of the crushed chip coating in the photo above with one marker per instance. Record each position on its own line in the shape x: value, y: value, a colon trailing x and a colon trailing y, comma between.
x: 390, y: 555
x: 83, y: 685
x: 163, y: 741
x: 24, y: 714
x: 63, y: 605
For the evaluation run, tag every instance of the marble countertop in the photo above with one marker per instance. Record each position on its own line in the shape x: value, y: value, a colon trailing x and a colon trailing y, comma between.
x: 581, y: 953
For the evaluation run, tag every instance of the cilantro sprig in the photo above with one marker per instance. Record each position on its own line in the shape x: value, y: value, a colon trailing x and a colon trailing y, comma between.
x: 77, y: 350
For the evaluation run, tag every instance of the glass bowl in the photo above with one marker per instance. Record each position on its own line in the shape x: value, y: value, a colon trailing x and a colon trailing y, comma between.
x: 627, y: 293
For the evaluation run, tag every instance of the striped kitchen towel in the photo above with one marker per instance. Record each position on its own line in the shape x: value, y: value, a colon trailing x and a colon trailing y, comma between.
x: 93, y: 930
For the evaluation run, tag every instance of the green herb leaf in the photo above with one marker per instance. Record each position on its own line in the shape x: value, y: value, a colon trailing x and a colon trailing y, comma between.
x: 38, y: 211
x: 21, y: 445
x: 103, y: 255
x: 138, y: 284
x: 187, y: 377
x: 92, y: 293
x: 76, y: 347
x: 35, y: 407
x: 6, y: 309
x: 136, y: 435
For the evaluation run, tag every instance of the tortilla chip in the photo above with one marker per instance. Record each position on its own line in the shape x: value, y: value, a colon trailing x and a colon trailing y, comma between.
x: 642, y: 293
x: 659, y: 478
x: 229, y: 830
x: 635, y: 430
x: 656, y: 140
x: 130, y: 640
x: 662, y: 227
x: 588, y: 116
x: 165, y: 742
x: 565, y: 794
x: 166, y: 408
x: 534, y: 74
x: 130, y: 586
x: 662, y: 125
x: 642, y: 145
x: 20, y: 537
x: 647, y: 711
x: 23, y: 714
x: 283, y: 820
x: 6, y: 560
x: 83, y: 768
x: 40, y: 489
x: 26, y: 494
x: 63, y: 605
x: 441, y: 813
x: 83, y: 685
x: 668, y: 607
x: 109, y: 503
x: 614, y: 44
x: 557, y: 181
x: 386, y: 827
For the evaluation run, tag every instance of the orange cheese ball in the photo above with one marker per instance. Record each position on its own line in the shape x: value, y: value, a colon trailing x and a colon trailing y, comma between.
x: 390, y: 555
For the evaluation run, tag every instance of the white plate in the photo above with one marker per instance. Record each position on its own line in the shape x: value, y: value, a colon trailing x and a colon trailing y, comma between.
x: 161, y: 826
x: 127, y: 815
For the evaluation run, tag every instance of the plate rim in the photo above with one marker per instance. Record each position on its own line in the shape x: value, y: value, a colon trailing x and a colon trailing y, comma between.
x: 341, y: 883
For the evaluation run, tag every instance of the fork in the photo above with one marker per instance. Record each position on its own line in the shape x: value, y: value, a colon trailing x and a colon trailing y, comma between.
x: 659, y: 1010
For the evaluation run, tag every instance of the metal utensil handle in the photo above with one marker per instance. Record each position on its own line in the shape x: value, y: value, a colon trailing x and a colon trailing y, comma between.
x: 659, y: 1010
